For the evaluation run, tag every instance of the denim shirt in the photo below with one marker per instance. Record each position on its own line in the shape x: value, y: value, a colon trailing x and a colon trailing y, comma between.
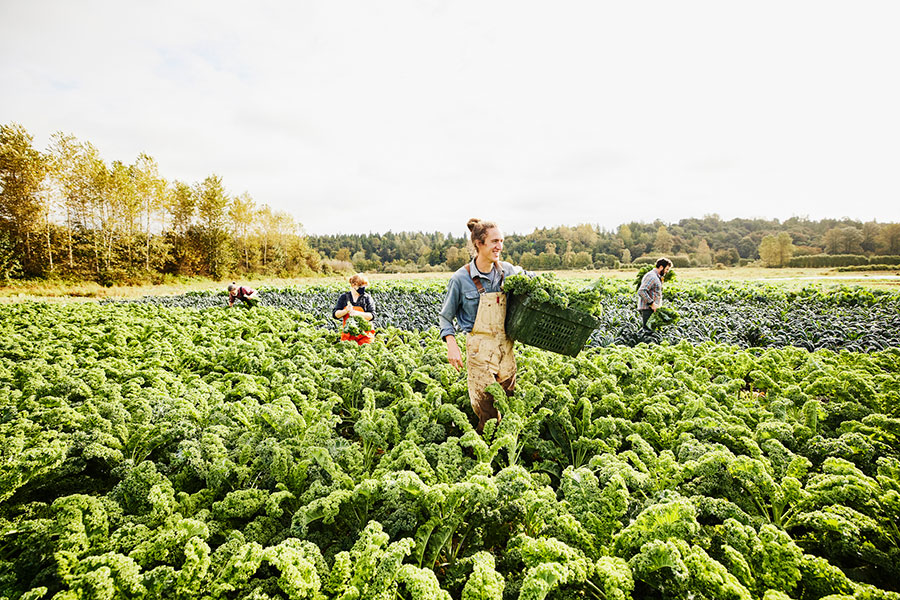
x: 461, y: 301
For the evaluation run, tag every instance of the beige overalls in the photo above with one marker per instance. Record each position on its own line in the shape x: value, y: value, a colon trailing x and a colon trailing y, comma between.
x: 489, y: 354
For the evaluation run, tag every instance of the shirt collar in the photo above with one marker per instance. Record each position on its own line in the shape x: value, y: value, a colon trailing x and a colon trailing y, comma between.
x: 476, y: 273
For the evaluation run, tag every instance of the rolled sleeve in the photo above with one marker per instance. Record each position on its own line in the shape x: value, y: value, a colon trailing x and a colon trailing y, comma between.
x: 521, y: 271
x: 511, y: 269
x: 449, y: 308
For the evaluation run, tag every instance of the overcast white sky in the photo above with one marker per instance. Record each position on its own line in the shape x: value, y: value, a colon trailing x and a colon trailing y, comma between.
x: 361, y: 115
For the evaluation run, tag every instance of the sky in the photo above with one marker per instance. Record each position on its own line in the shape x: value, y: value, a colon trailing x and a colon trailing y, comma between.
x: 359, y: 116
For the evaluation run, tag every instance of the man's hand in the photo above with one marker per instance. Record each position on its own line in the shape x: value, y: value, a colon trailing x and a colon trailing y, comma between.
x: 654, y: 307
x: 454, y: 357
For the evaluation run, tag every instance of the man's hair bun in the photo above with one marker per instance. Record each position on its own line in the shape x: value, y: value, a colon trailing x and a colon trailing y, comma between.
x: 479, y: 231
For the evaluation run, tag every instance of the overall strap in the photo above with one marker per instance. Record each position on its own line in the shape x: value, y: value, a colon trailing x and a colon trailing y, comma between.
x: 478, y: 285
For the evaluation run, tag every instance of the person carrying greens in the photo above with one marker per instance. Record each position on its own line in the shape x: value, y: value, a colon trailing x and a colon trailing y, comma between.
x: 360, y: 303
x: 475, y: 300
x: 650, y: 291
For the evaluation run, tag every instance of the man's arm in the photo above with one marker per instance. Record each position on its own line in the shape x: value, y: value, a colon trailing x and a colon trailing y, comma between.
x: 448, y: 309
x: 644, y: 290
x: 445, y: 318
x: 454, y: 356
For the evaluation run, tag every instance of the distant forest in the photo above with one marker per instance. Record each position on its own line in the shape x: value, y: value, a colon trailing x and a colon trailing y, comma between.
x: 707, y: 241
x: 66, y: 213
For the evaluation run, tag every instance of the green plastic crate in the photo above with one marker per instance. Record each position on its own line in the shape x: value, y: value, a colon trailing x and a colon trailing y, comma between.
x: 560, y: 330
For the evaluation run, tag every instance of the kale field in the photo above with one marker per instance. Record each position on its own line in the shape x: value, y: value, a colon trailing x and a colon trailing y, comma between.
x: 742, y: 314
x: 173, y: 448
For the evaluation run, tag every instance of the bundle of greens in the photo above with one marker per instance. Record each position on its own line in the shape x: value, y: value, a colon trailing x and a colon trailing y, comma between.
x: 356, y: 325
x: 662, y: 317
x: 547, y: 288
x: 668, y: 278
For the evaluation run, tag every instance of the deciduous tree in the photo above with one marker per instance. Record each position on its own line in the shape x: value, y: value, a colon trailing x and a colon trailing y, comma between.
x: 664, y: 242
x: 703, y: 256
x: 181, y: 206
x: 212, y: 202
x: 21, y: 174
x: 843, y: 240
x: 456, y: 257
x: 870, y: 232
x: 776, y: 250
x: 150, y: 188
x: 889, y: 238
x: 241, y: 212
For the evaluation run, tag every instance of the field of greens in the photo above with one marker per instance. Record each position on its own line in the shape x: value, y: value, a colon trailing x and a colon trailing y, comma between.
x: 742, y: 314
x: 174, y: 448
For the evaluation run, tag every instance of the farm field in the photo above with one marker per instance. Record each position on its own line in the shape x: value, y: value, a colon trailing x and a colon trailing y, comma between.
x: 169, y: 447
x: 49, y: 290
x: 744, y: 313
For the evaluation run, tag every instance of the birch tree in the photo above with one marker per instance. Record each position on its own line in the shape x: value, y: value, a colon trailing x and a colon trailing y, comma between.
x: 21, y: 175
x: 242, y: 212
x: 212, y: 203
x: 180, y: 202
x: 151, y: 190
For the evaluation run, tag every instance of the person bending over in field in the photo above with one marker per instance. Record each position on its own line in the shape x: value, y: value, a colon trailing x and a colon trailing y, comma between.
x: 650, y: 291
x: 360, y: 303
x: 475, y: 299
x: 247, y: 295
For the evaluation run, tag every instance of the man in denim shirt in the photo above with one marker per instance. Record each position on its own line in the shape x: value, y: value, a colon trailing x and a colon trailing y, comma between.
x: 461, y: 301
x: 476, y: 300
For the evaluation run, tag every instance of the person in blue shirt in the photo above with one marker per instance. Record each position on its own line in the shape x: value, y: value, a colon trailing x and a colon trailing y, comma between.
x: 476, y: 302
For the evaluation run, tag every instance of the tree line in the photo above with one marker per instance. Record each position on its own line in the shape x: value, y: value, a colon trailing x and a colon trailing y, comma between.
x: 708, y: 241
x: 66, y: 212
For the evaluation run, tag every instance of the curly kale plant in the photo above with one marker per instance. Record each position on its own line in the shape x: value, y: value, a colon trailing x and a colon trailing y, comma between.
x: 547, y: 288
x: 662, y: 317
x: 669, y: 277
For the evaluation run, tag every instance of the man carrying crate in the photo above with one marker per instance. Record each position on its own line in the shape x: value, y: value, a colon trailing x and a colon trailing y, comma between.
x: 476, y: 300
